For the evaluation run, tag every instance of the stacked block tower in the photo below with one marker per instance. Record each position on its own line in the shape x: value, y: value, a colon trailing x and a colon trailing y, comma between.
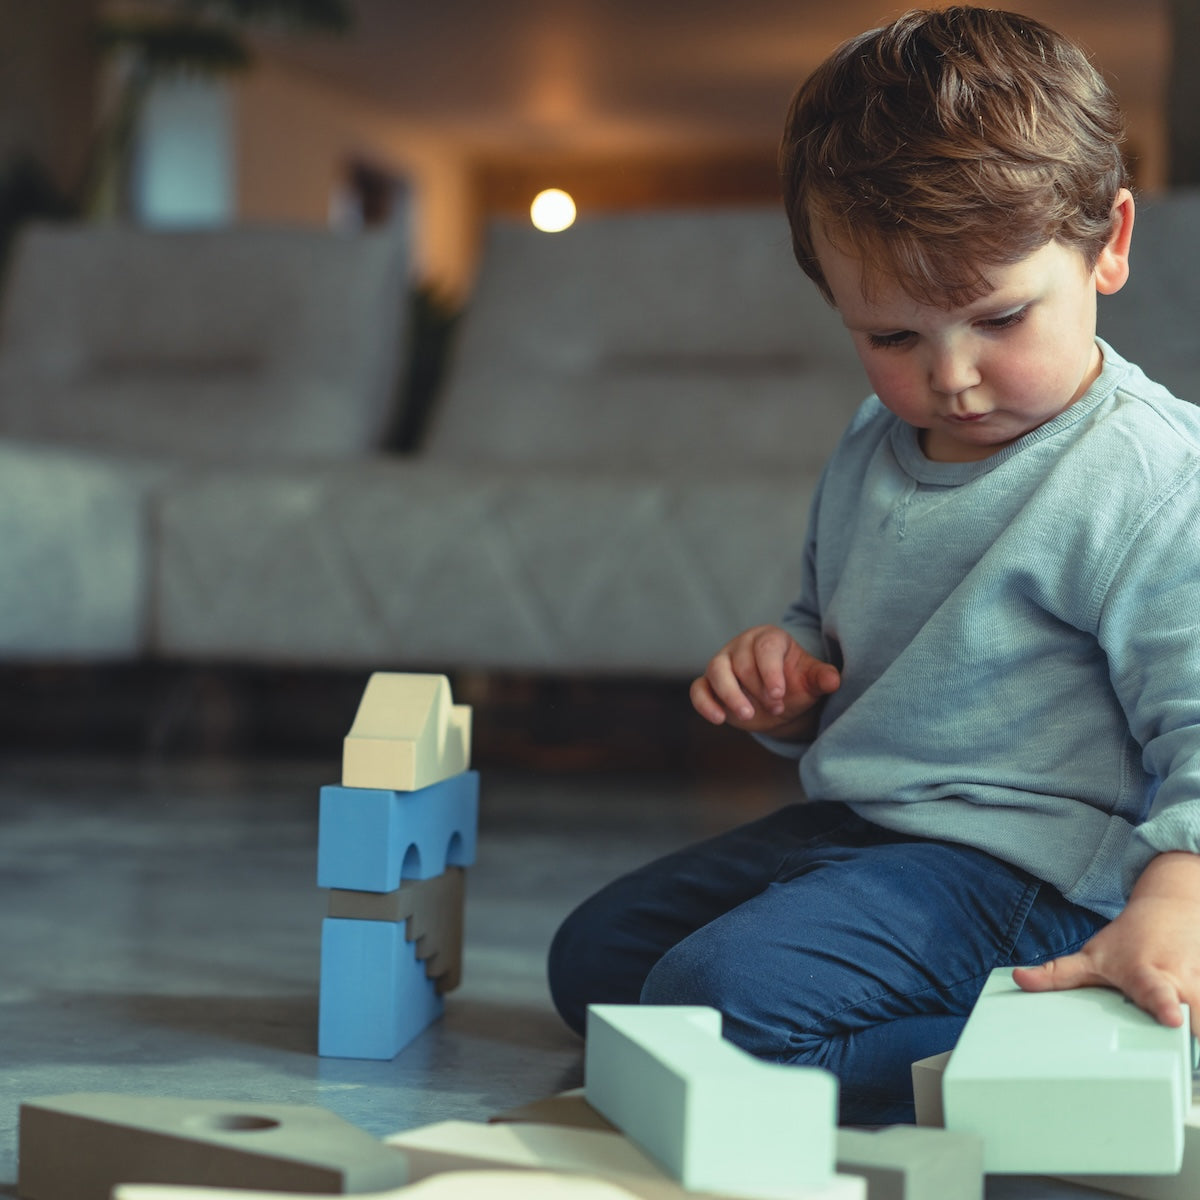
x: 395, y: 839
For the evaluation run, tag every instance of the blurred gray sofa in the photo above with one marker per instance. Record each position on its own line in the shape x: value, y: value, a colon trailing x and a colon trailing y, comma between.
x: 614, y: 481
x: 130, y: 361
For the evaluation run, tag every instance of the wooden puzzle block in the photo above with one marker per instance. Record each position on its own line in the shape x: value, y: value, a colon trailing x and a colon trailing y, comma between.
x: 79, y: 1146
x: 375, y: 995
x: 566, y: 1110
x: 454, y: 1185
x: 406, y: 734
x: 433, y: 909
x: 907, y: 1163
x: 927, y: 1089
x: 714, y: 1116
x: 602, y: 1154
x: 1067, y: 1082
x: 370, y: 840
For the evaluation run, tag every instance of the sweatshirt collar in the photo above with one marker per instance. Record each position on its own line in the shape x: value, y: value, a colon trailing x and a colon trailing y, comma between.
x: 906, y: 444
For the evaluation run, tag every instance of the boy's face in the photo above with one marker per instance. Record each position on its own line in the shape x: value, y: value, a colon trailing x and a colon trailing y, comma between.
x: 975, y: 379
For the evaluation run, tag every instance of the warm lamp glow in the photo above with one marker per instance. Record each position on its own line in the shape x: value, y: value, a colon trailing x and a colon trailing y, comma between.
x: 552, y: 211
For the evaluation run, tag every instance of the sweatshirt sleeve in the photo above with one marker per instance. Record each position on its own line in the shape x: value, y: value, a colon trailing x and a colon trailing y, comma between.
x: 803, y: 619
x: 1149, y: 628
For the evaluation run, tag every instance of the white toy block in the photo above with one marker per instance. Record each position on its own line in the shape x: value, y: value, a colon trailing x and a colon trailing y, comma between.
x: 406, y: 734
x: 82, y: 1144
x: 455, y: 1185
x: 1069, y: 1082
x: 907, y: 1163
x: 715, y: 1117
x: 927, y: 1089
x: 603, y: 1154
x: 1183, y: 1186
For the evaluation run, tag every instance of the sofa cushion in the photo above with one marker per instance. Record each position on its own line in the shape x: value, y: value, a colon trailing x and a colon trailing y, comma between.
x: 229, y: 345
x: 676, y: 341
x: 76, y: 576
x: 441, y: 566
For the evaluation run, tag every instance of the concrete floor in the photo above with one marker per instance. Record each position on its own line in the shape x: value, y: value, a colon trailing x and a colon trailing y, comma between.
x: 159, y: 931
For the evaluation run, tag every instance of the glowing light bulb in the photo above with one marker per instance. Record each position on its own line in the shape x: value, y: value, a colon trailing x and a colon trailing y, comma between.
x: 552, y: 211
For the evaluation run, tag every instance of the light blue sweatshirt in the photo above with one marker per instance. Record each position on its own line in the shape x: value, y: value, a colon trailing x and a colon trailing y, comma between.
x: 1019, y: 638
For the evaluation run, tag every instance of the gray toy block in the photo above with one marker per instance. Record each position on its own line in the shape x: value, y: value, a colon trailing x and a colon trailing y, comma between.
x: 1069, y: 1082
x: 713, y: 1116
x: 907, y: 1163
x: 927, y: 1089
x: 434, y: 911
x: 80, y: 1146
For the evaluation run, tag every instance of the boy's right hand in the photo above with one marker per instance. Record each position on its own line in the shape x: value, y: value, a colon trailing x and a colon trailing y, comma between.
x: 765, y: 682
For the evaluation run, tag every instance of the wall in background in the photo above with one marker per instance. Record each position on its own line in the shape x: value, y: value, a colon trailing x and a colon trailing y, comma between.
x: 49, y: 77
x: 297, y: 140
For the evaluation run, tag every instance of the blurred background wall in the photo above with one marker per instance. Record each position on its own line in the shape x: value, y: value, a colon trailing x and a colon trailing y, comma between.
x: 445, y: 113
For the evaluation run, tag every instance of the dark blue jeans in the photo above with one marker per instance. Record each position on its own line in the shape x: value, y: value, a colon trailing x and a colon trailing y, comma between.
x: 824, y: 941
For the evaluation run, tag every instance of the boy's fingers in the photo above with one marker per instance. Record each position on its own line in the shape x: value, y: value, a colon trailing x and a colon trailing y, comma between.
x: 766, y: 665
x: 1162, y: 1001
x: 810, y: 675
x: 1070, y: 971
x: 1154, y: 993
x: 823, y: 678
x: 728, y: 683
x: 705, y: 703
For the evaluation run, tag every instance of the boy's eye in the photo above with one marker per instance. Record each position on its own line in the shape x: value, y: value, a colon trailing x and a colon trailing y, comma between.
x: 1008, y: 320
x: 890, y: 341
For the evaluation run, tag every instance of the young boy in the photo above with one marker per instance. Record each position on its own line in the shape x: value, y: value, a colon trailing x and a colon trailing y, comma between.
x: 991, y: 677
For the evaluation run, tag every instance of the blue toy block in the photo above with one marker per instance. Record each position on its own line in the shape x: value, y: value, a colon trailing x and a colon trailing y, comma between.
x: 369, y: 839
x: 375, y: 995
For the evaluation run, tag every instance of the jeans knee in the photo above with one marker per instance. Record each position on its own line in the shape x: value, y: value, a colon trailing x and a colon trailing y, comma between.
x: 693, y: 973
x: 568, y: 970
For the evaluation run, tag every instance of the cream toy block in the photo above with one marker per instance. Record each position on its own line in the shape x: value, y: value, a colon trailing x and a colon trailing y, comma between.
x: 466, y: 1145
x: 927, y: 1089
x: 81, y: 1145
x: 455, y: 1185
x: 406, y: 734
x: 901, y: 1163
x: 1069, y: 1082
x: 433, y: 909
x: 714, y: 1116
x: 567, y: 1110
x: 603, y: 1154
x: 907, y: 1163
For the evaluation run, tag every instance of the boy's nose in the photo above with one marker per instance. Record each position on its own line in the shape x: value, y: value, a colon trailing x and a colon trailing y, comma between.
x: 951, y: 372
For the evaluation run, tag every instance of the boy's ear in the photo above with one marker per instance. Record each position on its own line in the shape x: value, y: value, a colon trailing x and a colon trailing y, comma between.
x: 1112, y: 267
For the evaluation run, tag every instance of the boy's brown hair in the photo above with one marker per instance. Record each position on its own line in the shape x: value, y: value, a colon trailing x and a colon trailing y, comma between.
x: 948, y: 142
